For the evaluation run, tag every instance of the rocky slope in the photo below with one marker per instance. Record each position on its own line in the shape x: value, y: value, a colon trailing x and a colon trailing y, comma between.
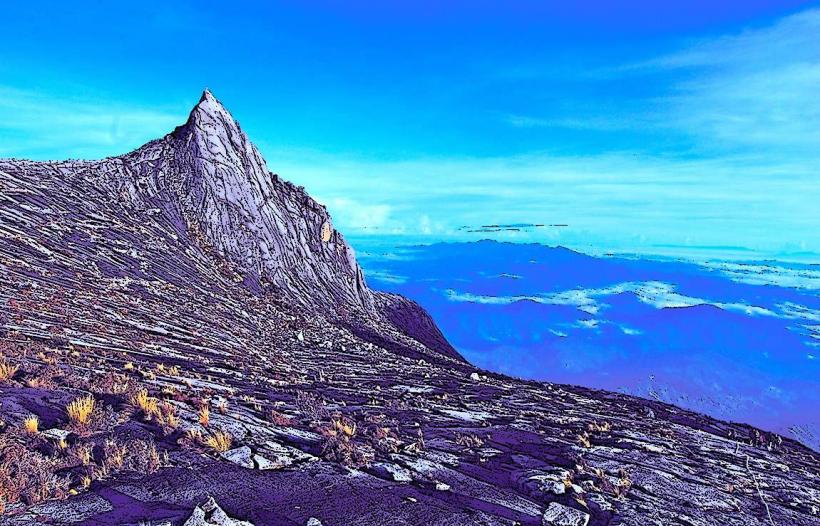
x: 235, y: 367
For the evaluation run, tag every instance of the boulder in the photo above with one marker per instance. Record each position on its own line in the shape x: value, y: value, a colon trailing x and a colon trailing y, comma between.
x: 241, y: 456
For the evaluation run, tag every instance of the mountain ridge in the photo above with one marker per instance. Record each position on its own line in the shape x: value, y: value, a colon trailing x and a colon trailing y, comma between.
x: 171, y: 335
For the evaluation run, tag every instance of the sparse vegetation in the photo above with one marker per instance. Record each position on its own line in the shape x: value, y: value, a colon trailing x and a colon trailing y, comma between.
x: 469, y: 441
x: 167, y: 415
x: 599, y: 427
x: 279, y: 419
x: 339, y: 445
x: 29, y: 477
x: 311, y: 405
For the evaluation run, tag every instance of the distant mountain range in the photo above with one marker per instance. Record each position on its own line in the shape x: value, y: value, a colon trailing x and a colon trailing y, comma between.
x: 737, y: 341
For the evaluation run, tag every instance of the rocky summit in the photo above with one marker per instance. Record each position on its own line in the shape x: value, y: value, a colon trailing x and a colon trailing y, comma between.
x: 187, y: 340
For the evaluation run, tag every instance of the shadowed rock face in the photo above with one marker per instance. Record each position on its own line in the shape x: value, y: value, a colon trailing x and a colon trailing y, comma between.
x: 186, y: 269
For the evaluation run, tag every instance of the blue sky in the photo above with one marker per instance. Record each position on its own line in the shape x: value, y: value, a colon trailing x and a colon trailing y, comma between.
x: 641, y: 125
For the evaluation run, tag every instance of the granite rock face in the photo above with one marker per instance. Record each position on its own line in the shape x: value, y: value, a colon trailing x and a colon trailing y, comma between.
x: 184, y: 272
x: 208, y: 180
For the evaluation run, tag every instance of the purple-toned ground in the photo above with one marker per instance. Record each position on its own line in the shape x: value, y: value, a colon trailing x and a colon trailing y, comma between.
x: 185, y: 276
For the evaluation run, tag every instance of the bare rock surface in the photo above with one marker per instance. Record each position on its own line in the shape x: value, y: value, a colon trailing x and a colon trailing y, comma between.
x: 233, y: 351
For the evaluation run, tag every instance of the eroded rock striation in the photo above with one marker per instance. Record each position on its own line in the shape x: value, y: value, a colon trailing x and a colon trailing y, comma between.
x: 234, y: 356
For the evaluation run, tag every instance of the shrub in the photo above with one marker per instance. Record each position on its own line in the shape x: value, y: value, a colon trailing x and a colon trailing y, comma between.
x: 30, y: 477
x: 469, y: 441
x: 134, y: 455
x: 83, y: 453
x: 114, y: 383
x: 113, y: 455
x: 167, y: 415
x: 338, y: 444
x: 279, y: 419
x: 311, y: 405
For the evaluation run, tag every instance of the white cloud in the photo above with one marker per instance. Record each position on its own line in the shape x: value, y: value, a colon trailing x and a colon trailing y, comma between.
x: 755, y: 89
x: 750, y: 90
x: 620, y: 201
x: 655, y: 293
x: 348, y: 213
x: 780, y: 276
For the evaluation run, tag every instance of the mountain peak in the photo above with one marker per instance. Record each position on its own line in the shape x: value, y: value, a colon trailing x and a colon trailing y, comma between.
x: 210, y: 111
x: 212, y: 136
x: 274, y: 234
x: 206, y: 94
x: 209, y: 103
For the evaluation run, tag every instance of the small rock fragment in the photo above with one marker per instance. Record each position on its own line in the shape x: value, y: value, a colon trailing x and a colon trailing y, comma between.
x: 441, y: 486
x: 210, y: 514
x: 560, y: 515
x: 56, y: 434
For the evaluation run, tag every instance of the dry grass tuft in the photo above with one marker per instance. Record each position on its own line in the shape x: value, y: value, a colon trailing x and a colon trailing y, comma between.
x: 81, y: 409
x: 145, y: 403
x: 7, y: 370
x: 599, y: 427
x: 31, y: 425
x: 204, y: 415
x: 345, y: 426
x: 220, y: 441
